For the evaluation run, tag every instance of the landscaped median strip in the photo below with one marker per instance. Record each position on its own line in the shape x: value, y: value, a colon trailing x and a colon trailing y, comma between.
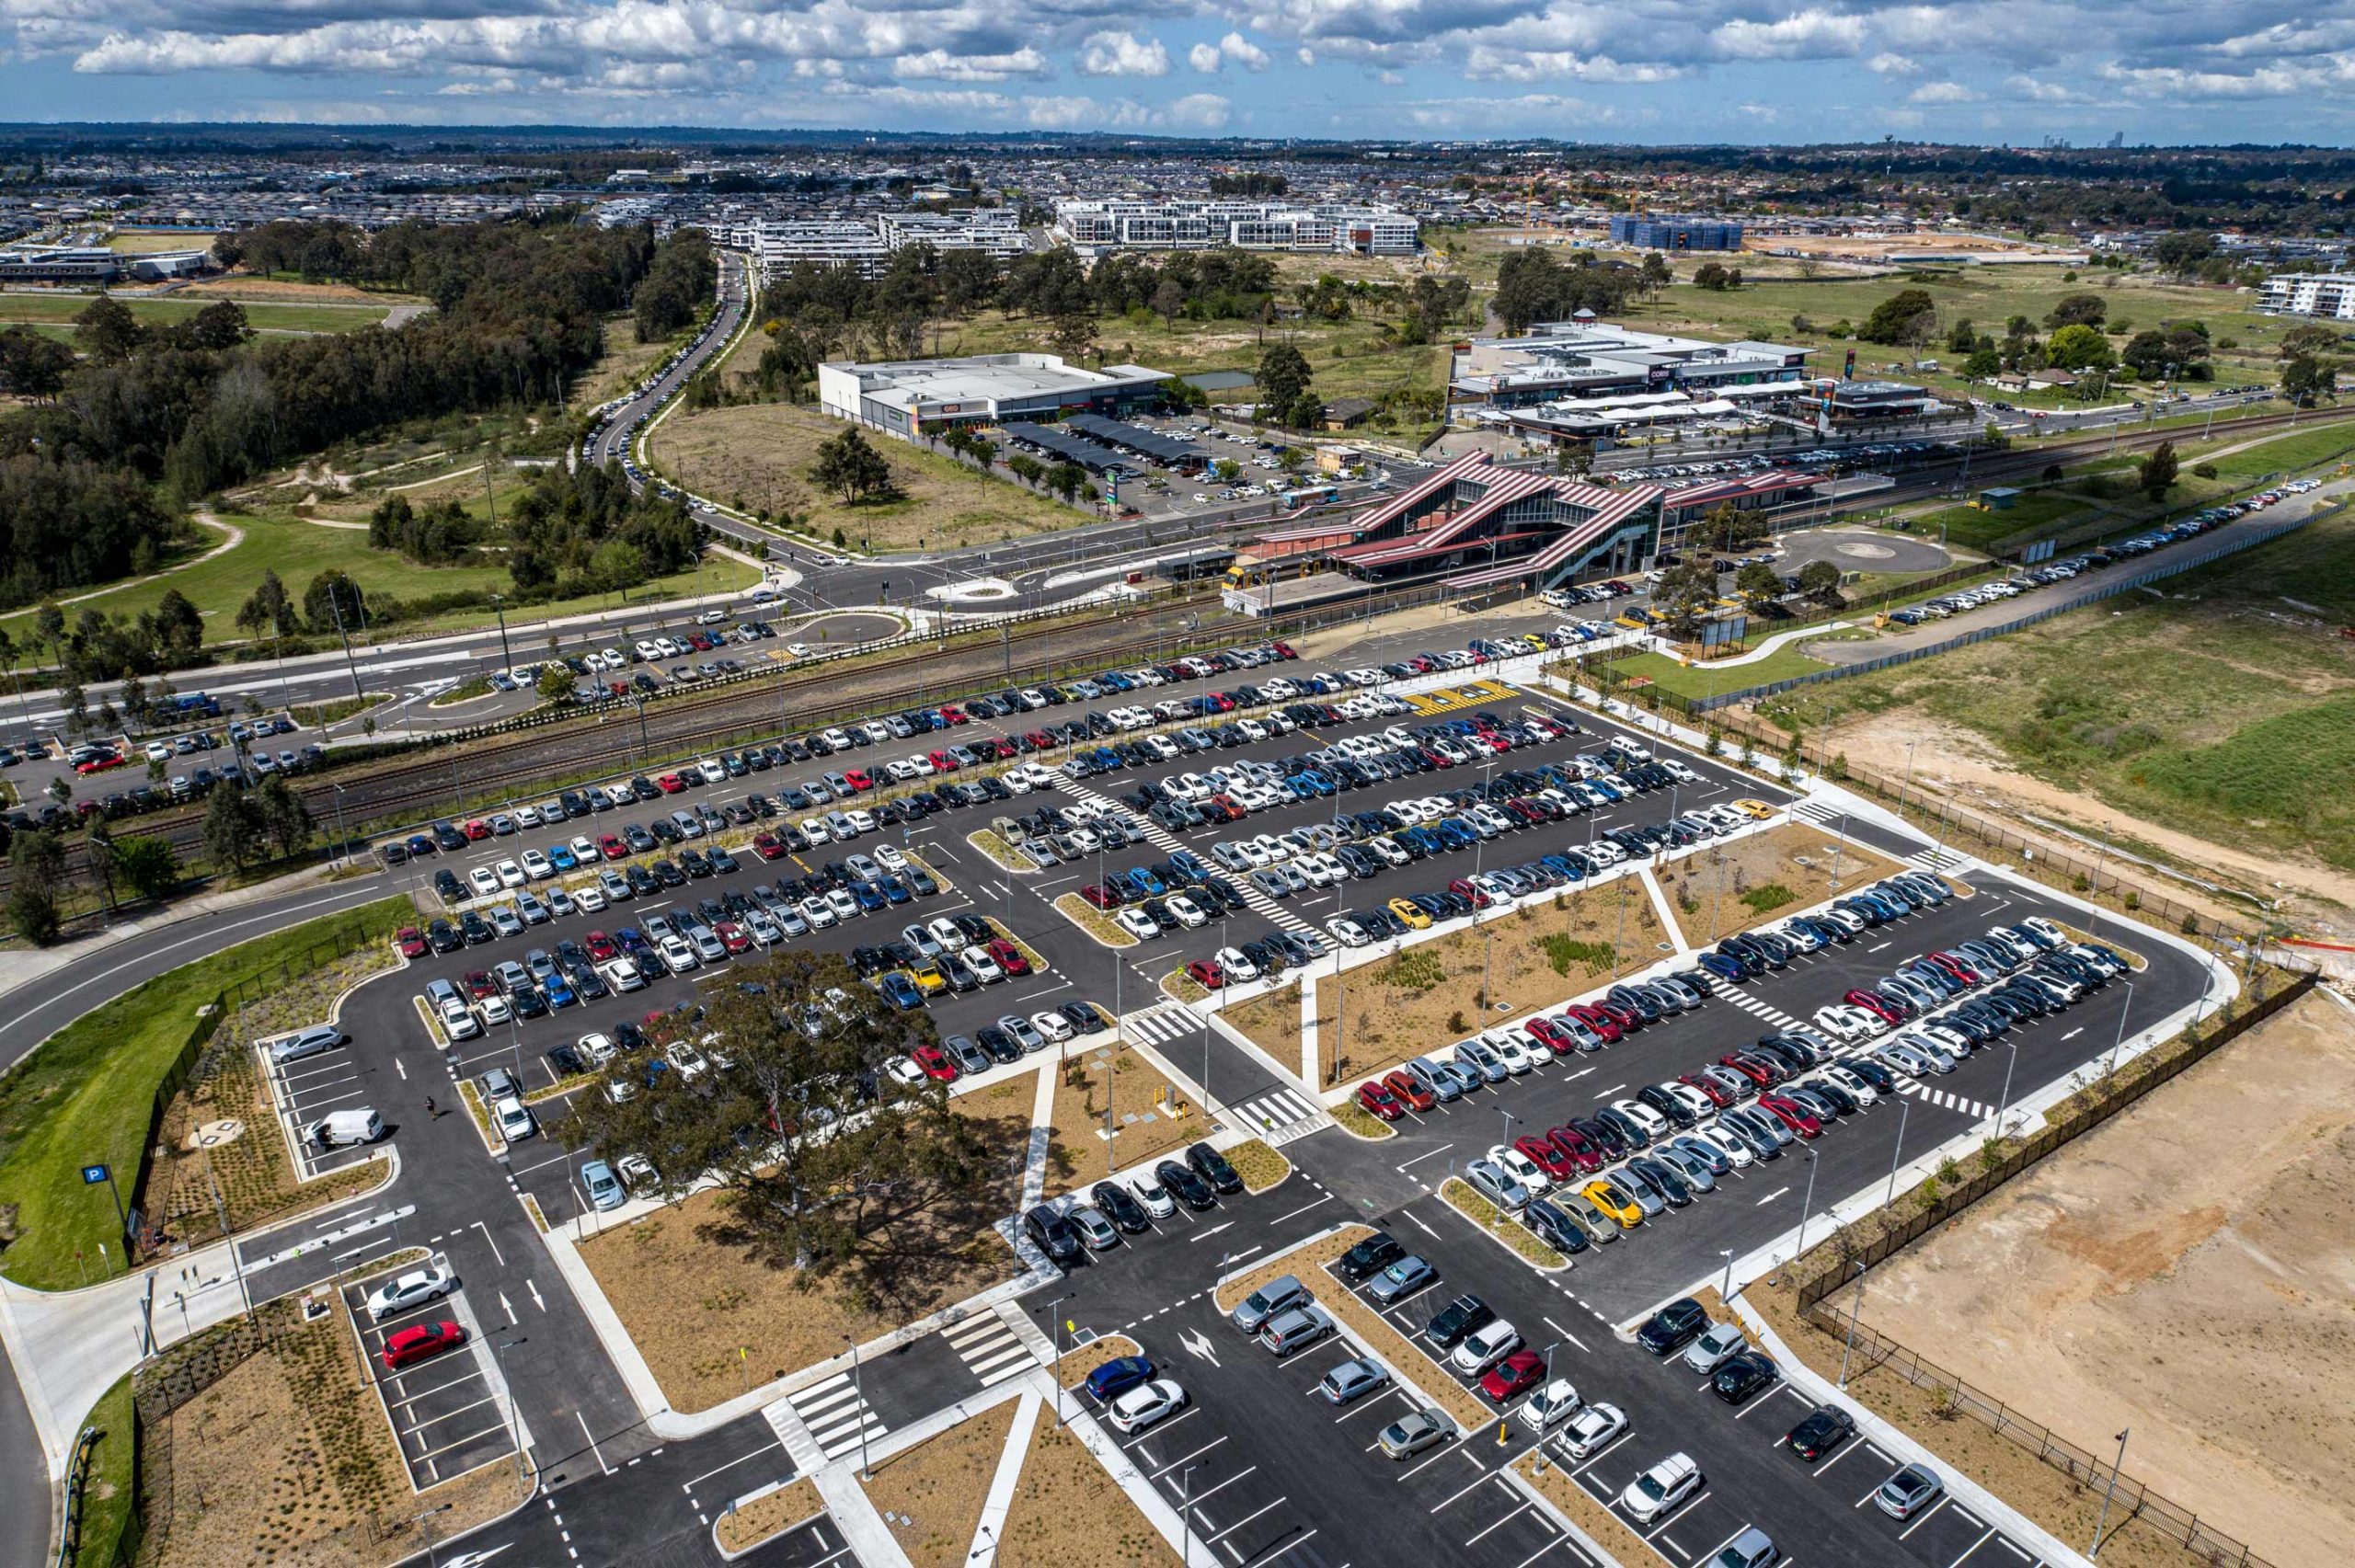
x: 993, y: 845
x: 1093, y: 922
x: 766, y: 1514
x: 1259, y: 1166
x: 1377, y: 1334
x: 1584, y: 1509
x: 1355, y: 1118
x: 1510, y: 1233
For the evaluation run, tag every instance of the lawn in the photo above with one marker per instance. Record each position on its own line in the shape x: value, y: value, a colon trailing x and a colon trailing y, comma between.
x: 758, y: 457
x: 2286, y: 454
x: 298, y: 551
x: 61, y: 309
x: 2223, y: 708
x: 114, y: 1477
x: 85, y: 1097
x: 1700, y: 680
x: 1972, y: 529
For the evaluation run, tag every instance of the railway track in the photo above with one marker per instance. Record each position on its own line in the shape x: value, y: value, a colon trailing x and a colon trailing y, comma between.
x: 480, y: 772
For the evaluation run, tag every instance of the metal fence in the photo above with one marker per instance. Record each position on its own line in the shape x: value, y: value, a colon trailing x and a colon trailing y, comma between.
x: 1875, y: 1237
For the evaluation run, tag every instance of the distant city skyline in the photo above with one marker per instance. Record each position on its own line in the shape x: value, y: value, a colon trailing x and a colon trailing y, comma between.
x: 1651, y: 71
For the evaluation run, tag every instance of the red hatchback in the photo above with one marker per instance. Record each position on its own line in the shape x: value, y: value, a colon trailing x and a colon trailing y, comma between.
x: 1577, y: 1148
x: 1558, y: 1165
x: 1379, y: 1100
x: 610, y: 846
x: 1517, y: 1373
x: 601, y: 947
x: 410, y: 941
x: 1556, y: 1040
x: 859, y: 778
x: 419, y: 1342
x: 1205, y: 973
x: 934, y: 1062
x: 670, y: 784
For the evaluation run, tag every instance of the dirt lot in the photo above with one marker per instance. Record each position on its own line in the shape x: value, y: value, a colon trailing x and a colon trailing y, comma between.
x: 759, y: 455
x: 1271, y: 1020
x: 939, y: 1486
x: 1141, y: 1130
x: 1732, y: 886
x: 2182, y: 1271
x: 1428, y: 996
x: 690, y: 1337
x: 1068, y: 1514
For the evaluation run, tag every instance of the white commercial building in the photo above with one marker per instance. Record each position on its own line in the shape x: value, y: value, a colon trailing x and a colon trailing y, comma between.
x: 2328, y: 294
x: 1175, y: 224
x: 913, y: 397
x: 868, y: 244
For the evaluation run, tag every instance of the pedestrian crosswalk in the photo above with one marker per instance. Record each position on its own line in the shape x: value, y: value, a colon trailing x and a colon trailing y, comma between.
x: 1163, y: 1024
x: 1167, y: 842
x: 1976, y: 1109
x: 1936, y: 859
x: 837, y: 1415
x: 1815, y: 811
x: 1757, y: 1009
x: 1278, y: 1116
x: 990, y: 1348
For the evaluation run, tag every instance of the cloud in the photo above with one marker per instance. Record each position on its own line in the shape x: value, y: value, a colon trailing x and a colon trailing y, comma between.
x: 1123, y: 54
x: 940, y: 66
x: 1943, y: 91
x: 1486, y: 63
x: 1888, y: 63
x: 1803, y: 35
x: 1199, y: 111
x: 1232, y: 50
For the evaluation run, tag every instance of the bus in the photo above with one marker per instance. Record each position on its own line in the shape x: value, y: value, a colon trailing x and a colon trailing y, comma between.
x: 1312, y: 497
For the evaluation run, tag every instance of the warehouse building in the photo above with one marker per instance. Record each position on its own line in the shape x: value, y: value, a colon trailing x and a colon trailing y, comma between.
x: 1096, y: 226
x: 1583, y: 360
x: 929, y: 397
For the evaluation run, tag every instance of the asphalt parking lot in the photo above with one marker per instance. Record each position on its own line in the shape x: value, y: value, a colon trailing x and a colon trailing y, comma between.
x: 450, y: 1412
x: 314, y: 1087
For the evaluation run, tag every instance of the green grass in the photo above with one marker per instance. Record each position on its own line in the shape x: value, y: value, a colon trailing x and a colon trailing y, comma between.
x: 2285, y: 454
x: 1700, y: 680
x: 113, y: 1486
x: 1970, y: 529
x: 61, y: 309
x: 85, y: 1095
x: 297, y: 551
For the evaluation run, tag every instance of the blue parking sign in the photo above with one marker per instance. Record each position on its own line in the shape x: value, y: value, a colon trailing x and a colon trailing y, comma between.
x: 93, y: 1175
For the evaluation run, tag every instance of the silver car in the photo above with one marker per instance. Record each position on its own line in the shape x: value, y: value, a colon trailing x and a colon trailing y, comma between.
x: 1352, y: 1380
x: 1410, y: 1435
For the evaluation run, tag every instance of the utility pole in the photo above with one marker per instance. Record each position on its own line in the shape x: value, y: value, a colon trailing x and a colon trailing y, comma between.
x: 335, y: 608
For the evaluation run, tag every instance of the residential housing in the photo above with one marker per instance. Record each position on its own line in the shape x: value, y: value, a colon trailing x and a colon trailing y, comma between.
x: 1156, y: 223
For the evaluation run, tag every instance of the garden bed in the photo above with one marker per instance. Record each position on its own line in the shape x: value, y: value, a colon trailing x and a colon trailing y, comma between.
x: 1723, y: 887
x: 931, y: 1495
x: 1093, y: 920
x: 1259, y: 1166
x: 1067, y: 1512
x: 1143, y: 1130
x: 740, y: 1529
x: 1460, y: 1196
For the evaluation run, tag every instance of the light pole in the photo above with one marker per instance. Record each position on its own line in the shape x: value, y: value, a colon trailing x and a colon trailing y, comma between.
x: 1184, y: 1516
x: 343, y: 838
x: 1903, y: 1109
x: 2120, y: 1042
x: 2003, y: 1101
x: 1725, y: 1292
x: 1807, y: 1207
x: 1540, y: 1467
x: 859, y: 1392
x: 1058, y: 1326
x: 2103, y: 1522
x: 1855, y: 1310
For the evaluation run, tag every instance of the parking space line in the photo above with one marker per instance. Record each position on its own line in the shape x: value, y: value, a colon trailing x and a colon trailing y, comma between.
x: 420, y: 1427
x: 1197, y: 1453
x: 1924, y: 1519
x: 1969, y: 1549
x: 1845, y: 1449
x: 1700, y: 1497
x: 1500, y: 1523
x: 1601, y: 1454
x: 1452, y: 1449
x: 409, y: 1398
x: 1286, y: 1547
x: 1541, y: 1550
x: 1203, y: 1497
x: 1480, y: 1481
x: 1244, y: 1519
x: 427, y: 1456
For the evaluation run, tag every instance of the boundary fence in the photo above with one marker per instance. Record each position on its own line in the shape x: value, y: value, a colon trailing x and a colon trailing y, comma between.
x: 1875, y: 1237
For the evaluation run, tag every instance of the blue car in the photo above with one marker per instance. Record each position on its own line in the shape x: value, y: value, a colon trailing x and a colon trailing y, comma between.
x: 1116, y: 1377
x: 558, y: 991
x: 901, y: 992
x: 562, y: 858
x: 1724, y: 969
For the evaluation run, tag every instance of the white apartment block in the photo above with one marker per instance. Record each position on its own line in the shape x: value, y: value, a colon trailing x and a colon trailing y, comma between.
x: 2330, y: 294
x: 868, y: 244
x: 1121, y: 224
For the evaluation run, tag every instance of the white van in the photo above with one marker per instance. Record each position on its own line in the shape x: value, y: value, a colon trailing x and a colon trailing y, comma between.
x: 342, y: 1129
x: 303, y: 1043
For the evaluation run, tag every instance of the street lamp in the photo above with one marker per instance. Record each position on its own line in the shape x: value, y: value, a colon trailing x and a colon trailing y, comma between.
x: 2002, y: 1100
x: 2117, y: 1044
x: 1058, y: 1326
x: 859, y: 1392
x: 1184, y: 1516
x: 2103, y: 1522
x: 1807, y: 1207
x: 1903, y: 1109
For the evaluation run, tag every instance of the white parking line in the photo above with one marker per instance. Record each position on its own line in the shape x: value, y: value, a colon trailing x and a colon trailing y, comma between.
x: 1244, y: 1520
x: 1969, y: 1549
x: 1203, y: 1497
x: 1480, y: 1481
x: 1698, y: 1498
x: 1500, y: 1523
x: 1922, y: 1520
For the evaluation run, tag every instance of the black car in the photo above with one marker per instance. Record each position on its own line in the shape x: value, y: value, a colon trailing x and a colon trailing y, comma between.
x: 1823, y: 1429
x: 1369, y: 1258
x: 1051, y: 1233
x: 1674, y: 1326
x: 1556, y: 1229
x: 1183, y: 1184
x: 1213, y: 1168
x: 1120, y: 1206
x: 1741, y: 1375
x: 444, y: 937
x: 1457, y: 1319
x: 474, y: 929
x: 446, y: 883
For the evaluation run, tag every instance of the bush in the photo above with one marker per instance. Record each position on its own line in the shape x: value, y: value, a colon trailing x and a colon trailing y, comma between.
x: 2190, y: 923
x: 2078, y: 883
x: 2204, y: 470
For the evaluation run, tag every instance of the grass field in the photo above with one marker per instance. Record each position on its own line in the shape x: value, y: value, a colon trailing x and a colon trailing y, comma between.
x: 297, y: 551
x: 61, y: 310
x: 113, y: 1484
x: 1701, y: 680
x: 1972, y: 529
x: 2225, y: 708
x: 85, y: 1097
x: 759, y: 455
x: 623, y: 362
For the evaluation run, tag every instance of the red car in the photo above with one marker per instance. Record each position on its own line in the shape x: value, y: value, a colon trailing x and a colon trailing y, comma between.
x: 934, y: 1062
x: 766, y: 847
x: 1008, y: 957
x: 670, y: 784
x: 477, y: 829
x: 410, y: 941
x: 1558, y: 1165
x: 1205, y: 973
x: 1578, y: 1148
x: 610, y: 846
x: 1373, y: 1097
x: 1040, y: 741
x: 1709, y: 1086
x: 478, y: 983
x: 601, y: 947
x: 859, y: 778
x: 955, y: 714
x: 1282, y: 650
x: 733, y: 937
x: 1556, y: 1040
x: 1757, y: 1072
x: 1516, y: 1374
x: 1625, y: 1017
x: 1410, y: 1092
x: 1463, y: 888
x: 1795, y: 1116
x: 1597, y: 1020
x: 419, y: 1341
x: 1101, y: 897
x: 1880, y: 1006
x: 1955, y: 966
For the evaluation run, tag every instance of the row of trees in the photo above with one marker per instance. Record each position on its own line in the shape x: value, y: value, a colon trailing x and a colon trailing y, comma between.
x: 1532, y: 286
x: 676, y: 287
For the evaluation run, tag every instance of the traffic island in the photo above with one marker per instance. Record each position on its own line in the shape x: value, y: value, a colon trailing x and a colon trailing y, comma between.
x: 931, y: 1495
x: 1259, y: 1165
x: 1148, y: 1120
x: 1356, y: 1119
x: 771, y: 1514
x: 1082, y: 1359
x: 1590, y: 1513
x: 1459, y: 1196
x: 1068, y: 1513
x: 1727, y: 885
x: 1094, y: 921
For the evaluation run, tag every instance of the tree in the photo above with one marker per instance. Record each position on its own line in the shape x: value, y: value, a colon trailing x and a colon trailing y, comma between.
x: 2157, y: 472
x: 2306, y: 378
x: 1903, y: 317
x: 1073, y: 335
x: 847, y: 463
x: 2311, y: 338
x: 2182, y: 253
x: 150, y: 867
x: 2079, y: 348
x: 1684, y: 594
x: 266, y: 610
x: 283, y: 815
x: 555, y: 684
x: 1982, y: 363
x: 1226, y: 470
x: 1758, y: 583
x: 106, y: 331
x: 2077, y: 310
x: 1961, y: 337
x: 1307, y: 412
x: 234, y: 829
x: 1168, y: 299
x: 1820, y: 581
x: 1284, y: 376
x: 37, y: 872
x: 1065, y: 478
x: 825, y: 1166
x: 32, y: 365
x: 333, y: 603
x: 1714, y: 277
x: 1656, y: 273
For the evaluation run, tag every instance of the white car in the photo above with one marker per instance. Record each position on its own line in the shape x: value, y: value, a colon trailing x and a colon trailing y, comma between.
x: 597, y: 1049
x: 1484, y: 1347
x: 1158, y: 1203
x: 1146, y: 1403
x: 1594, y: 1429
x: 484, y: 881
x: 411, y: 1289
x: 1520, y: 1167
x: 903, y: 1070
x: 1137, y: 923
x: 509, y: 874
x: 677, y: 955
x: 537, y: 867
x: 515, y: 1119
x: 1053, y: 1026
x: 1660, y: 1488
x: 458, y: 1020
x: 1551, y: 1405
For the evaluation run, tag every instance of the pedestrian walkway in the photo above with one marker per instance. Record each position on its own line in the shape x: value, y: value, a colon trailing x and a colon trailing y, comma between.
x: 1165, y: 1024
x: 1816, y: 811
x: 1166, y: 843
x: 837, y: 1415
x: 990, y: 1348
x: 1939, y: 860
x: 1278, y: 1116
x: 1978, y: 1110
x: 1757, y: 1009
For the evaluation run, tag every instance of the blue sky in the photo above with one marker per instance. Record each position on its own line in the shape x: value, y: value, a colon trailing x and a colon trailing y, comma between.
x: 2165, y: 71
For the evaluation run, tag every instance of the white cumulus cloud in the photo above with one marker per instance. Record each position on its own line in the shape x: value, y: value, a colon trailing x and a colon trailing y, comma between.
x: 1114, y: 54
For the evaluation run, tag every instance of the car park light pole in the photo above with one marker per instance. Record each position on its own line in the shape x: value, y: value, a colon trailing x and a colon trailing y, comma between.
x: 1899, y: 1153
x: 858, y: 1391
x: 1807, y: 1207
x: 1185, y: 1516
x: 2003, y: 1101
x: 2117, y: 1044
x: 1725, y: 1292
x: 1059, y: 1356
x: 1540, y: 1467
x: 2103, y: 1522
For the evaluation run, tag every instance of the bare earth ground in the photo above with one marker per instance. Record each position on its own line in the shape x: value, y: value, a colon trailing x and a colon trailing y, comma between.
x: 1141, y: 1130
x: 1732, y: 886
x: 239, y: 285
x: 1428, y: 996
x: 691, y: 1338
x: 1271, y: 1020
x: 1079, y: 1362
x: 2184, y: 1271
x: 1068, y: 1514
x: 1976, y: 775
x: 939, y: 1486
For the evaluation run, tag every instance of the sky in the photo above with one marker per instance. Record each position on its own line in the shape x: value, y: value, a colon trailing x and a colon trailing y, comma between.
x: 1622, y: 71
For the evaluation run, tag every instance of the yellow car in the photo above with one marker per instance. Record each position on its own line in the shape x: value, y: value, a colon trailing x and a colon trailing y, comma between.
x: 1412, y: 914
x: 928, y: 976
x: 1615, y: 1203
x: 1757, y: 808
